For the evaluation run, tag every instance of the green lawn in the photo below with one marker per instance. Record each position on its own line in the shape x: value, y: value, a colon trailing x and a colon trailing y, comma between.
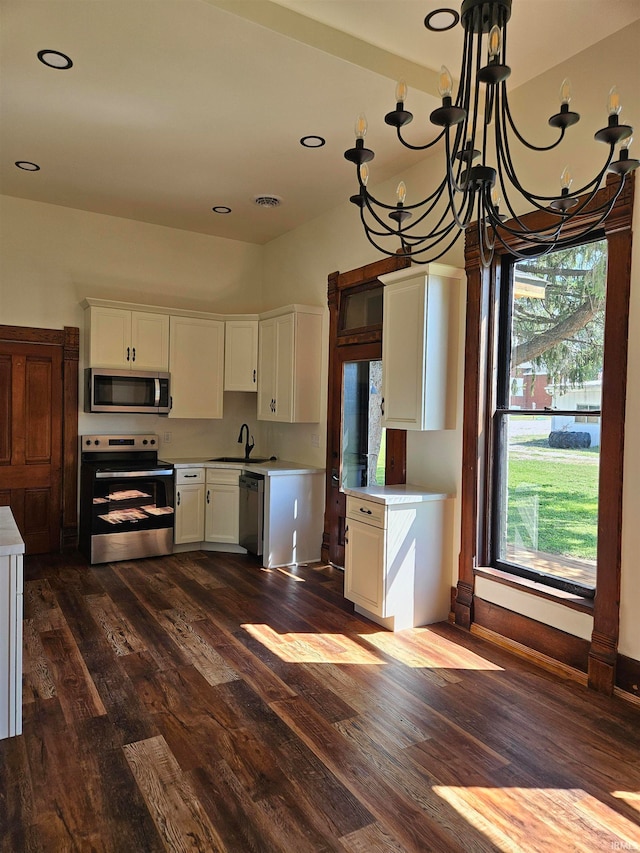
x: 561, y: 496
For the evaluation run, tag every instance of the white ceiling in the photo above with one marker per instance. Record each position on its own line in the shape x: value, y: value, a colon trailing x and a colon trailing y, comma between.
x: 174, y: 106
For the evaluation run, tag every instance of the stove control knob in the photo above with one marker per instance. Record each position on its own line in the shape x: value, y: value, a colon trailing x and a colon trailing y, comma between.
x: 96, y: 441
x: 88, y: 441
x: 153, y: 441
x: 144, y: 441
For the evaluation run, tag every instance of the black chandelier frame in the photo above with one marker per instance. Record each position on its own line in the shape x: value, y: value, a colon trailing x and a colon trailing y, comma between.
x: 469, y: 187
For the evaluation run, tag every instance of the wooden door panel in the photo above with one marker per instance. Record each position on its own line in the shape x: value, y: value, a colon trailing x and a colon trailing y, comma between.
x: 5, y: 409
x: 31, y: 402
x: 39, y: 385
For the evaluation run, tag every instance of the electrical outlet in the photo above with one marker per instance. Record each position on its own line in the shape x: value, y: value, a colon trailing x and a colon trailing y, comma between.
x: 315, y: 439
x: 167, y: 438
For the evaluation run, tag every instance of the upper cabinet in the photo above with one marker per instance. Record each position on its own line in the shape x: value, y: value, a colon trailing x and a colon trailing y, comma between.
x: 241, y: 355
x: 127, y: 340
x: 289, y: 364
x: 196, y: 364
x: 419, y: 346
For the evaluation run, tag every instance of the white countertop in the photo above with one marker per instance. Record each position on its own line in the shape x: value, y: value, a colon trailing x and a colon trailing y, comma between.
x: 402, y: 494
x: 10, y: 539
x: 278, y: 467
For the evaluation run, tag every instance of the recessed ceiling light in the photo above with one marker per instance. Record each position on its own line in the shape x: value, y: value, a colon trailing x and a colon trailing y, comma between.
x: 221, y: 208
x: 441, y: 19
x: 54, y: 59
x: 27, y: 165
x: 312, y: 141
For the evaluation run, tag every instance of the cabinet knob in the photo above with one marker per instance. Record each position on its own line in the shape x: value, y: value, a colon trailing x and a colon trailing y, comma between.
x: 134, y: 354
x: 128, y: 353
x: 382, y: 406
x: 178, y: 498
x: 208, y: 496
x: 254, y: 376
x: 366, y: 511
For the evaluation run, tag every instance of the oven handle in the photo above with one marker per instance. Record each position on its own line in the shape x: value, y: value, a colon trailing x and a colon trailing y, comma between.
x: 116, y: 475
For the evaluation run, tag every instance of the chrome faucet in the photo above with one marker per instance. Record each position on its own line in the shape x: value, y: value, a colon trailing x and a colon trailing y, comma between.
x: 248, y: 446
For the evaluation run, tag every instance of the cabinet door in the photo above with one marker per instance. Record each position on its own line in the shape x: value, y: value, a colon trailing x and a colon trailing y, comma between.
x: 196, y: 363
x: 284, y: 368
x: 222, y: 513
x: 189, y: 520
x: 109, y: 338
x: 267, y: 340
x: 364, y: 565
x: 149, y: 341
x: 241, y: 355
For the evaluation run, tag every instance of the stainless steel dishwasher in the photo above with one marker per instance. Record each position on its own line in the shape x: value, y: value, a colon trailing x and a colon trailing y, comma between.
x: 251, y: 512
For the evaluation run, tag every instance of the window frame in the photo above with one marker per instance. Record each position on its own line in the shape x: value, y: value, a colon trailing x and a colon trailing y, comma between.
x: 481, y: 355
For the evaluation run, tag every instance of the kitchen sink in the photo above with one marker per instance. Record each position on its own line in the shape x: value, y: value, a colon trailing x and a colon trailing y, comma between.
x: 251, y: 459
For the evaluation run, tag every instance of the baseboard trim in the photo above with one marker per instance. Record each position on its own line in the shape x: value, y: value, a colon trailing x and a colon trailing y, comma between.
x: 533, y: 656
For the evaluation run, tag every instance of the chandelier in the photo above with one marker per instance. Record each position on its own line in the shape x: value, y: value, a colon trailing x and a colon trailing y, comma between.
x: 480, y: 180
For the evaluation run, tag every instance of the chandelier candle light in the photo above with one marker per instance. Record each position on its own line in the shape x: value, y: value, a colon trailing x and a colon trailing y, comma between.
x: 478, y: 179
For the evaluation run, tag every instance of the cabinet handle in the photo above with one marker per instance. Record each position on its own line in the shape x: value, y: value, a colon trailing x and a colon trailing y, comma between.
x: 190, y: 476
x: 208, y: 496
x: 367, y: 511
x: 178, y: 498
x: 128, y: 353
x: 134, y: 354
x: 382, y: 406
x: 254, y: 376
x: 346, y: 530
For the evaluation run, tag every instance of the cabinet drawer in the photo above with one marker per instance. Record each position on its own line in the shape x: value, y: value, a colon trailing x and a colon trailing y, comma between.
x: 223, y: 476
x: 189, y: 475
x: 367, y: 511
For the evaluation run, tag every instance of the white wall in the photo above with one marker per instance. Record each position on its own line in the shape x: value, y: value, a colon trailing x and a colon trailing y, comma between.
x: 52, y: 257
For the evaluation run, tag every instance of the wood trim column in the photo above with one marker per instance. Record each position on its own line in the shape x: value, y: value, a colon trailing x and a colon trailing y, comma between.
x: 603, y: 653
x: 71, y: 356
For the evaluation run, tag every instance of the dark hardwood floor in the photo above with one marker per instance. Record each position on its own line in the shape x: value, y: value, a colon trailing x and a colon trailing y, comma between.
x: 201, y: 703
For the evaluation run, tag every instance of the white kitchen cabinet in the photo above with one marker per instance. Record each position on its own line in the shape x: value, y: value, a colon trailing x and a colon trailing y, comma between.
x: 289, y: 365
x: 196, y: 364
x: 419, y: 346
x: 222, y: 506
x: 395, y: 570
x: 11, y: 596
x: 189, y: 509
x: 127, y: 340
x: 241, y: 355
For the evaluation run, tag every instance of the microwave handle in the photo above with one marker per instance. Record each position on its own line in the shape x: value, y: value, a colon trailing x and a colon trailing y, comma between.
x: 157, y: 384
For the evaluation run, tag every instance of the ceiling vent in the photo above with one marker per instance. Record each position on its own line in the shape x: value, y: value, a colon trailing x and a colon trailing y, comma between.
x: 268, y: 201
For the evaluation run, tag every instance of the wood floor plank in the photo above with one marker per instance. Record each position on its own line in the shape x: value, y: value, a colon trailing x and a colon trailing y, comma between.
x: 199, y: 702
x: 172, y: 803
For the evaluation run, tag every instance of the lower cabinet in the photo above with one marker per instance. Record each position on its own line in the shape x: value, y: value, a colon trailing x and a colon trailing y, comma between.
x: 222, y: 506
x: 189, y: 509
x: 207, y: 505
x: 395, y: 570
x: 11, y: 595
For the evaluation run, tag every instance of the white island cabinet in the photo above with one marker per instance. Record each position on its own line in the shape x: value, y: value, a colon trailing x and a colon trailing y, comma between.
x: 11, y: 594
x: 395, y: 570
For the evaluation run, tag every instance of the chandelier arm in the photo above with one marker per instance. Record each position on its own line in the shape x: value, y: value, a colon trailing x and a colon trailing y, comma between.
x: 389, y: 230
x: 436, y: 194
x: 452, y: 187
x: 419, y: 147
x: 529, y: 145
x: 404, y: 253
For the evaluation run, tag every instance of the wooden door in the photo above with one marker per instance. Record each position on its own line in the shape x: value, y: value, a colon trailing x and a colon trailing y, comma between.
x: 347, y: 344
x: 31, y: 406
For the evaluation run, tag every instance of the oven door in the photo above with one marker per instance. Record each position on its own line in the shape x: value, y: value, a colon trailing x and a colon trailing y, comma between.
x: 131, y: 513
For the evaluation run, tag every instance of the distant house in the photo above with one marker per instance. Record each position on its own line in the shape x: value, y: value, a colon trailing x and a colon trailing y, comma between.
x: 585, y: 398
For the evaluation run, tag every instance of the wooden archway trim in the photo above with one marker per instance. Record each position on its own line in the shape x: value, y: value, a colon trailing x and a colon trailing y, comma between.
x: 68, y: 339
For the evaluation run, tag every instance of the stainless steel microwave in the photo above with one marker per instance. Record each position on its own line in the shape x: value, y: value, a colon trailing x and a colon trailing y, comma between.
x: 135, y: 391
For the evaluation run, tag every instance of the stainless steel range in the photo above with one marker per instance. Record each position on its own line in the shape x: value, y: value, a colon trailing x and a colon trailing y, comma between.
x: 126, y: 498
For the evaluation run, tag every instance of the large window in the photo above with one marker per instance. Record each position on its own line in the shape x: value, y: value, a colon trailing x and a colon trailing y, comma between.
x: 550, y: 373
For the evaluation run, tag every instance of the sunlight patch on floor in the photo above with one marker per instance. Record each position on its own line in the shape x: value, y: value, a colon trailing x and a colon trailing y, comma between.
x: 631, y: 798
x: 543, y: 815
x: 420, y: 649
x: 312, y: 648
